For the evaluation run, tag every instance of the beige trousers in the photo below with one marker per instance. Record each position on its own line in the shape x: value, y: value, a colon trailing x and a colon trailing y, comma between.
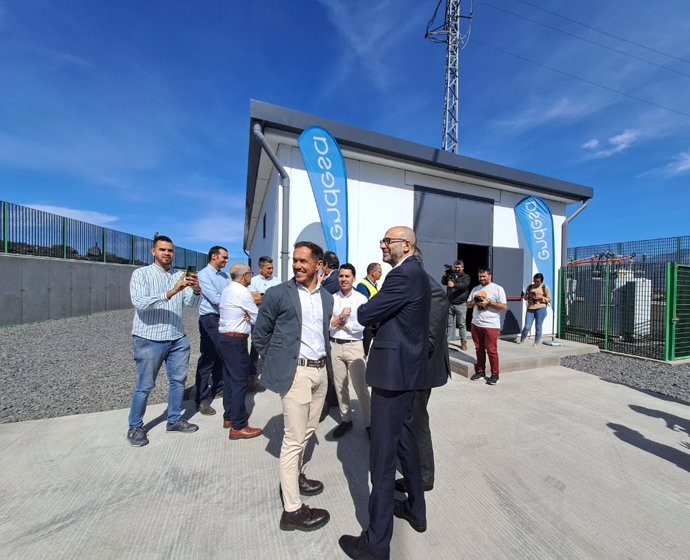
x: 349, y: 358
x: 302, y: 406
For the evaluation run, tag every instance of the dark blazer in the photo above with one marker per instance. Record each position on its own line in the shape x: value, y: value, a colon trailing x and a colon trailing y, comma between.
x: 398, y: 354
x: 331, y: 284
x: 277, y: 333
x: 438, y: 364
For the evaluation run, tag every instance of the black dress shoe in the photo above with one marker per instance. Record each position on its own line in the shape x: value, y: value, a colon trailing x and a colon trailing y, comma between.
x: 206, y: 409
x: 400, y: 486
x: 309, y: 487
x: 357, y: 548
x: 341, y: 429
x: 304, y: 519
x: 402, y: 511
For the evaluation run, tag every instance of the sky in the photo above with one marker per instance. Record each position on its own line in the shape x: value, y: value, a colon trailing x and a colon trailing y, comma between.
x: 135, y: 114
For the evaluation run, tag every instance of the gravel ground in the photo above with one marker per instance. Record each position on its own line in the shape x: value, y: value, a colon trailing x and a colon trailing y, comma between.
x: 84, y: 364
x: 75, y: 365
x: 645, y: 375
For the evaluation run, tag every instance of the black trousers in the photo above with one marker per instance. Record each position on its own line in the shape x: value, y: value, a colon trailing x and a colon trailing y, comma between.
x: 235, y: 376
x: 391, y: 436
x: 209, y: 369
x: 422, y: 433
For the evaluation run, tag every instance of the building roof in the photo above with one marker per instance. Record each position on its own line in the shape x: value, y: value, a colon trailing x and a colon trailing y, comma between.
x: 274, y: 117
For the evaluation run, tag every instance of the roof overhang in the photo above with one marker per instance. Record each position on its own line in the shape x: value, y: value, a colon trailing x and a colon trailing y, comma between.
x: 283, y: 126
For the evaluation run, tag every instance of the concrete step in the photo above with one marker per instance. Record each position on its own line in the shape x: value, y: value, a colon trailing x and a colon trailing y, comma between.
x: 517, y: 357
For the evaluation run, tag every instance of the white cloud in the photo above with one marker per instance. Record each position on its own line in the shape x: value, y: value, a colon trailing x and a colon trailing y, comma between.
x: 614, y: 144
x: 680, y: 165
x: 87, y: 216
x: 541, y: 112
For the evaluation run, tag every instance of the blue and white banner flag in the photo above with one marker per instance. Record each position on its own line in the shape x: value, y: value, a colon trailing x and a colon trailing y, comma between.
x: 537, y: 225
x: 326, y: 169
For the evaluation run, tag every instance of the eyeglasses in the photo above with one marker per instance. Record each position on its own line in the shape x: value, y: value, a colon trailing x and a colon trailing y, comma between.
x: 388, y: 240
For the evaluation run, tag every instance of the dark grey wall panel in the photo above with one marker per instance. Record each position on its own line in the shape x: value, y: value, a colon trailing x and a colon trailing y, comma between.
x: 36, y: 294
x: 11, y: 292
x: 97, y: 289
x: 59, y: 280
x: 80, y: 289
x: 37, y: 289
x: 474, y: 222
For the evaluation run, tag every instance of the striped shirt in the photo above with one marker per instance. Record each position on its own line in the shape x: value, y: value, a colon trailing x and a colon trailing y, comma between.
x: 155, y: 316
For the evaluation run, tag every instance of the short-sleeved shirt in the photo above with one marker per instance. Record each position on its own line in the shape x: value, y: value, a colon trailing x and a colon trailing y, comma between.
x: 488, y: 318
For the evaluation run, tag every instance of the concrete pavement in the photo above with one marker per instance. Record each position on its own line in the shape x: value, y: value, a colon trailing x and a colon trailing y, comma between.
x: 549, y: 464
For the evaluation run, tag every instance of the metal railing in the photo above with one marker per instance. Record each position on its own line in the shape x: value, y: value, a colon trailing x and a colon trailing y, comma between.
x: 27, y: 231
x: 662, y: 250
x: 631, y: 297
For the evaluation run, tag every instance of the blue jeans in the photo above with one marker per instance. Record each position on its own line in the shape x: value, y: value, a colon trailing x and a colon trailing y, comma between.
x: 149, y: 356
x: 539, y: 314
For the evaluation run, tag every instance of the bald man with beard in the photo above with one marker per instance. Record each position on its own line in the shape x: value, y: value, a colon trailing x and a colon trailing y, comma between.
x: 396, y: 369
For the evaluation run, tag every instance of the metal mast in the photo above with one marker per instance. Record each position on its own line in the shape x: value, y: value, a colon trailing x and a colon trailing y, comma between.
x: 450, y: 34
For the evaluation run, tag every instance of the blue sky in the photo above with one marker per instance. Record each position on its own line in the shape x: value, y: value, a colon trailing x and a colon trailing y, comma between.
x: 134, y: 114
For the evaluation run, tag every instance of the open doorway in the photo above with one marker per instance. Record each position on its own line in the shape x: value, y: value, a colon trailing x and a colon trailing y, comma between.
x: 474, y: 257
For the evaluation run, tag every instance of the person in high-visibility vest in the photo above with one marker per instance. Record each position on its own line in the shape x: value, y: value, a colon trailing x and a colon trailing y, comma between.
x: 368, y: 287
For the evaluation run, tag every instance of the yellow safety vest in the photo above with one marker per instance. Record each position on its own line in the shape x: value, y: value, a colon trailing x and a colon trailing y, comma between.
x: 373, y: 290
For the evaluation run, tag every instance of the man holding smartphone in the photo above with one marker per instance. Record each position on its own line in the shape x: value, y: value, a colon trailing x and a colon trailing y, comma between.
x: 158, y: 294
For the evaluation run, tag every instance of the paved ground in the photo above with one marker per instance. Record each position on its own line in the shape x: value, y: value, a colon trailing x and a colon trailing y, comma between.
x: 549, y: 464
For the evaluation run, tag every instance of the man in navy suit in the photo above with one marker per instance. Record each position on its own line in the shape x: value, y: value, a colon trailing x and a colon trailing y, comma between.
x: 396, y: 369
x: 291, y: 335
x: 438, y: 372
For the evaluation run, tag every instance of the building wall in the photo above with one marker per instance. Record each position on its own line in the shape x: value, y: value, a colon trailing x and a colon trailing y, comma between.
x: 382, y: 196
x: 37, y: 288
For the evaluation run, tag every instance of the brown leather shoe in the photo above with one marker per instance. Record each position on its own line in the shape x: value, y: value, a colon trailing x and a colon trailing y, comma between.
x: 227, y: 424
x: 245, y: 433
x: 463, y: 345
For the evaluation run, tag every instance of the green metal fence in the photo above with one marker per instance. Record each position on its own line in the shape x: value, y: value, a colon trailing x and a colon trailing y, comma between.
x: 27, y: 231
x: 631, y: 297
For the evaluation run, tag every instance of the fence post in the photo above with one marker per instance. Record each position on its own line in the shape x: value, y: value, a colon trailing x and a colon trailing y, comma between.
x: 670, y: 304
x: 5, y: 227
x: 64, y: 238
x: 607, y: 301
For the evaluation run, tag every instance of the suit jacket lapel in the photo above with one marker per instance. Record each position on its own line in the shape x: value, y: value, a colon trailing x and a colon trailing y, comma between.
x: 294, y: 297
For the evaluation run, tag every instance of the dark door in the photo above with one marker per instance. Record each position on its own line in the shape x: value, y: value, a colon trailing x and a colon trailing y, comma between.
x: 507, y: 265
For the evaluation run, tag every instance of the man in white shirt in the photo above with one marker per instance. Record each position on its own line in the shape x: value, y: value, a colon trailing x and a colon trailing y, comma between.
x: 347, y: 351
x: 237, y: 313
x: 488, y: 300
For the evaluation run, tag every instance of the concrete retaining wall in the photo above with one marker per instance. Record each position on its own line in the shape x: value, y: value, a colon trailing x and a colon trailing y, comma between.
x: 37, y: 289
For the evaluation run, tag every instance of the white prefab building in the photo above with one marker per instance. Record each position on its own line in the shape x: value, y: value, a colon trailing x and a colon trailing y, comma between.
x: 459, y: 207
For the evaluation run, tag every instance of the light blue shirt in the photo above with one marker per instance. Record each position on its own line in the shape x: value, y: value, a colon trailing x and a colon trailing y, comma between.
x: 212, y: 283
x: 261, y: 284
x: 155, y: 316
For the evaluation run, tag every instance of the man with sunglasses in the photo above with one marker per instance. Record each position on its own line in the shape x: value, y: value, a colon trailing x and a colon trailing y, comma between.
x: 396, y: 369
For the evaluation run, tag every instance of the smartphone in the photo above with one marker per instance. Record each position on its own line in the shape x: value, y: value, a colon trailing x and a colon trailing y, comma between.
x: 191, y: 272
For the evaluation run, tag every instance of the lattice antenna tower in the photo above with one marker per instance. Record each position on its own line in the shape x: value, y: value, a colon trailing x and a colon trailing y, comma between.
x: 454, y: 32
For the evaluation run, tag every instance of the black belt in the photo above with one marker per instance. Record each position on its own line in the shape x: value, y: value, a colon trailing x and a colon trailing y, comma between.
x: 343, y: 340
x: 321, y: 362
